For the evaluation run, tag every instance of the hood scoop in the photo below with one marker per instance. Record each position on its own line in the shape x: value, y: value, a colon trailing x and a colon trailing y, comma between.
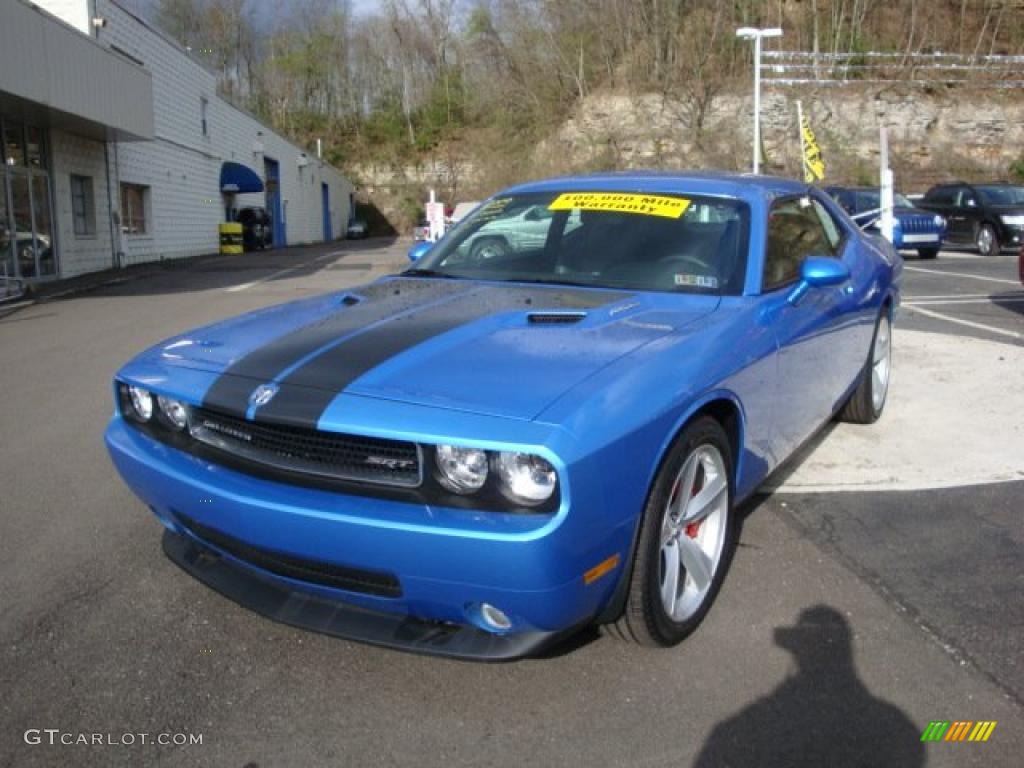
x: 555, y: 318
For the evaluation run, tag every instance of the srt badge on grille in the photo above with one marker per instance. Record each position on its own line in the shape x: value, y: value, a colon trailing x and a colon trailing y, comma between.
x: 263, y: 394
x: 390, y: 463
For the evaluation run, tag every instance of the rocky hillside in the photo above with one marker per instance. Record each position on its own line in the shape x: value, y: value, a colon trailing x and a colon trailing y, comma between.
x: 935, y: 134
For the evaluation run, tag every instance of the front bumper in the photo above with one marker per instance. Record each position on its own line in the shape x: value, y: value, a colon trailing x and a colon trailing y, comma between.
x: 279, y: 601
x: 447, y: 562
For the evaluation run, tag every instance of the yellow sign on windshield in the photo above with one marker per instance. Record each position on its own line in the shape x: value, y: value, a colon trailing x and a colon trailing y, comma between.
x: 621, y: 202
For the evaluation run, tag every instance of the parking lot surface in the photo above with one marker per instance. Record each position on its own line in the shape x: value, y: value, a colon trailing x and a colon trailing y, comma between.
x: 861, y: 604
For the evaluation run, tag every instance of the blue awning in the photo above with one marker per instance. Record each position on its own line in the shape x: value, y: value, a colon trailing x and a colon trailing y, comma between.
x: 235, y: 178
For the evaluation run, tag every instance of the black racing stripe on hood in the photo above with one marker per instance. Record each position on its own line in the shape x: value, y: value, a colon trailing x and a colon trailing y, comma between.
x: 230, y: 392
x: 306, y: 392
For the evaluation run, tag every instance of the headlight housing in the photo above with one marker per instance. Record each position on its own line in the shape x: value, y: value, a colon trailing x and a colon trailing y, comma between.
x: 1016, y: 220
x: 461, y: 470
x: 174, y: 412
x: 525, y: 478
x: 939, y: 221
x: 512, y: 481
x: 137, y: 403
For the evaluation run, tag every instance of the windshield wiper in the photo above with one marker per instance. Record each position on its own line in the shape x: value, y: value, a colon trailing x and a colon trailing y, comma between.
x: 420, y: 272
x: 548, y: 281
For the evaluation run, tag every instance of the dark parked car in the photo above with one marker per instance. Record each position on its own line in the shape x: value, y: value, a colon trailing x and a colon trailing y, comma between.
x: 988, y: 216
x: 257, y: 228
x: 915, y: 229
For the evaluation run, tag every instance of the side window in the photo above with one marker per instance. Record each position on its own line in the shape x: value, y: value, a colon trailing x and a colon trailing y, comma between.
x: 794, y: 233
x: 832, y: 230
x: 964, y: 198
x: 940, y: 196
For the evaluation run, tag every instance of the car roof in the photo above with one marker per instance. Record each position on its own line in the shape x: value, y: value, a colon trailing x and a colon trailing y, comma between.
x: 739, y: 185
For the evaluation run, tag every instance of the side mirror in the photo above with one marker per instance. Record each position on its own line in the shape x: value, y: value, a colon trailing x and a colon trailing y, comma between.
x: 419, y: 250
x: 818, y: 272
x: 972, y: 203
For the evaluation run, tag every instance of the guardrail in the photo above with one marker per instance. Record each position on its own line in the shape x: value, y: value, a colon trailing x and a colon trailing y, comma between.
x: 792, y: 68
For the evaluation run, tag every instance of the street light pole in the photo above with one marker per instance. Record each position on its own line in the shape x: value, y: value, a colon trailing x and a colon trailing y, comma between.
x: 756, y: 34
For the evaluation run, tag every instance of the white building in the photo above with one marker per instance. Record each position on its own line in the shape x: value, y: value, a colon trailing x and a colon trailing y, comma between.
x: 116, y: 146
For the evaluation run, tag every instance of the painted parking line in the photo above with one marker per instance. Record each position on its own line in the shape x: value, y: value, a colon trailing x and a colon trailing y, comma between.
x: 966, y: 323
x: 961, y: 274
x: 960, y: 300
x: 279, y: 273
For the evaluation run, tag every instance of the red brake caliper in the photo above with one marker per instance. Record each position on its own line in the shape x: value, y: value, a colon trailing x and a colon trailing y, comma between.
x: 693, y: 528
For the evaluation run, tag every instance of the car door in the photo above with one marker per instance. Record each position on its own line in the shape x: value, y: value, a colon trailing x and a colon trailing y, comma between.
x: 817, y: 335
x: 964, y: 215
x: 940, y: 200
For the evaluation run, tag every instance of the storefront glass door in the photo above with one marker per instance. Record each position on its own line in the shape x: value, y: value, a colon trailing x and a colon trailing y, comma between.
x: 26, y: 210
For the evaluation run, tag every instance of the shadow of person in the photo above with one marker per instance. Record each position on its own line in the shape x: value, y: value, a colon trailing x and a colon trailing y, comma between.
x: 820, y: 716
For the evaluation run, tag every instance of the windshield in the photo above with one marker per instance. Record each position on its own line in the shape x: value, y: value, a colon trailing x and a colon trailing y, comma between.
x: 607, y: 240
x: 871, y: 200
x: 1002, y: 195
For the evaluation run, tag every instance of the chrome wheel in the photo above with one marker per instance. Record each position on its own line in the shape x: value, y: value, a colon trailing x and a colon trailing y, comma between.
x: 881, y: 363
x: 693, y: 532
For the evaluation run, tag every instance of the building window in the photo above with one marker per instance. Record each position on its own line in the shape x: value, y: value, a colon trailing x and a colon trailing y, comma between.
x: 203, y: 105
x: 83, y: 206
x: 133, y: 209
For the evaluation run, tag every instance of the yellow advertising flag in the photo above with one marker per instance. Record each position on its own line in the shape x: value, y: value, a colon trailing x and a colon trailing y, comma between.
x: 814, y: 163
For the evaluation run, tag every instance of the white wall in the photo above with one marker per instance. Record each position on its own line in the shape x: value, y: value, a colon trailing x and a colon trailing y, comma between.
x: 82, y: 157
x: 181, y: 167
x: 73, y: 12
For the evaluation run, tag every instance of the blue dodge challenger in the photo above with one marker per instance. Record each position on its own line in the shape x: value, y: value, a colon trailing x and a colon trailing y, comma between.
x: 547, y: 422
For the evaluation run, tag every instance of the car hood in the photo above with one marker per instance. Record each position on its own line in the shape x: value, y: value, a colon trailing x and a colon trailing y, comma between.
x: 1008, y: 210
x: 499, y: 349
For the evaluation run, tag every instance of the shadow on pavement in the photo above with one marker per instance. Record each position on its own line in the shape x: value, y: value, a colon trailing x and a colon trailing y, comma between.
x: 822, y: 715
x: 216, y: 272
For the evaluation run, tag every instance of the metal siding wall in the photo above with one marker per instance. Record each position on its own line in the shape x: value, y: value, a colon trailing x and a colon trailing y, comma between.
x: 182, y: 168
x: 46, y: 62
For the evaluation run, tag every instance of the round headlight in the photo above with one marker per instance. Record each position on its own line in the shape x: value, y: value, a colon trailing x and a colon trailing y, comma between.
x: 939, y: 221
x: 174, y: 411
x: 525, y: 478
x: 142, y: 403
x: 461, y: 470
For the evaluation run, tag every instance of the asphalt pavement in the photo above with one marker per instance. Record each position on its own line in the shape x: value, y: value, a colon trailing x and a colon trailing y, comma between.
x: 849, y: 621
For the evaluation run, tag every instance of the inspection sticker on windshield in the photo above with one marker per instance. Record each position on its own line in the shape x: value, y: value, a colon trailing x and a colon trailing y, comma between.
x: 698, y: 281
x: 621, y: 202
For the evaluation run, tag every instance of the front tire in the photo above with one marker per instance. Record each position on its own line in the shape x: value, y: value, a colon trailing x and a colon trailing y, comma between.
x: 488, y: 248
x: 686, y: 541
x: 868, y: 400
x: 987, y: 241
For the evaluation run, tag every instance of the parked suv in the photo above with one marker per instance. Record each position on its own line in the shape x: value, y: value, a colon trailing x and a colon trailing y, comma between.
x: 987, y: 216
x: 915, y: 229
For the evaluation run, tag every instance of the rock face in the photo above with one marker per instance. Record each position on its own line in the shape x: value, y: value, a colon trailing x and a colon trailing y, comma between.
x: 934, y: 134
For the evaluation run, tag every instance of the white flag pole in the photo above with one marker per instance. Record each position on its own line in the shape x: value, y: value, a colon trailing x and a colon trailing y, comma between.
x: 887, y: 222
x: 803, y: 146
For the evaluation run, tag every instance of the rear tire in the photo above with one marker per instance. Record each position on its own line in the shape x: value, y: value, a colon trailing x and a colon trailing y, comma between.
x: 868, y: 400
x: 927, y: 253
x: 686, y: 540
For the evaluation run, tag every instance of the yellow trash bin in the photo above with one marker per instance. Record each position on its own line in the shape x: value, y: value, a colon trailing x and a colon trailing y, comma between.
x: 231, y: 238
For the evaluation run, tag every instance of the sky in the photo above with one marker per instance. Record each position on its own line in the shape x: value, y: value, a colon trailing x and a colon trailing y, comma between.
x: 257, y: 8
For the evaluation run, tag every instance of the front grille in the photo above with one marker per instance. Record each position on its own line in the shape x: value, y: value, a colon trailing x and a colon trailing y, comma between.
x: 300, y: 569
x: 918, y: 223
x: 310, y: 451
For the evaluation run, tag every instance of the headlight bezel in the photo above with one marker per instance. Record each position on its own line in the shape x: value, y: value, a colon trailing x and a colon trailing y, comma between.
x: 494, y: 493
